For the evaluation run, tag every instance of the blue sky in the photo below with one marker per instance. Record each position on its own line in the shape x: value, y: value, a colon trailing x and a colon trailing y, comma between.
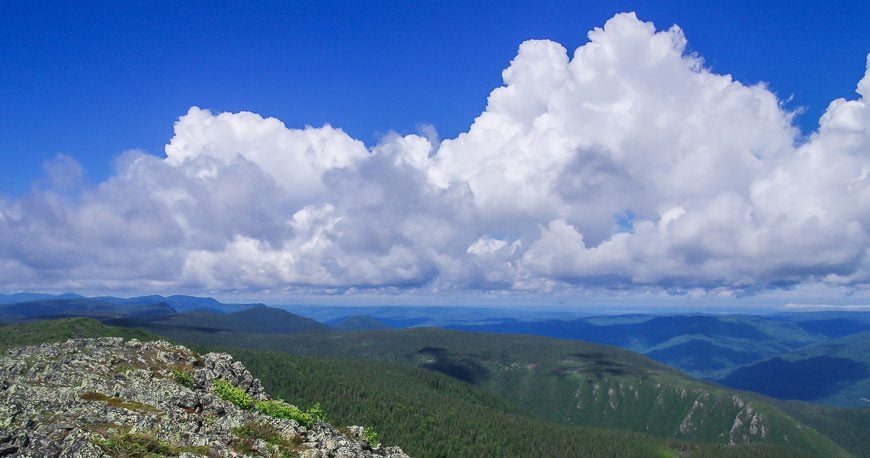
x: 91, y: 79
x: 540, y: 213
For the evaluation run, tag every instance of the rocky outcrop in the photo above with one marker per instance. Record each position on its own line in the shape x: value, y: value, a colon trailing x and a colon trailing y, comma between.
x: 108, y: 397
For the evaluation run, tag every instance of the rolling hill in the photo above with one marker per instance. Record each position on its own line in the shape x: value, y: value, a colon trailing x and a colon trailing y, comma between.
x: 704, y: 346
x: 178, y: 302
x: 435, y: 415
x: 563, y: 381
x: 835, y: 372
x: 204, y: 314
x: 17, y: 335
x: 26, y: 297
x: 357, y: 323
x: 261, y: 319
x: 41, y: 309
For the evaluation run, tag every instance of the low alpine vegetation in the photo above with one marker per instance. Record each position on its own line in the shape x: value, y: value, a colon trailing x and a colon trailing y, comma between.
x: 372, y: 437
x: 229, y: 392
x: 183, y: 378
x: 279, y: 409
x: 276, y: 408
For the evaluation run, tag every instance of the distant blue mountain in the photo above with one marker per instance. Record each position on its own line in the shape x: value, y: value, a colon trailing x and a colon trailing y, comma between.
x: 182, y: 303
x: 706, y: 346
x: 24, y: 297
x: 836, y: 372
x: 834, y: 327
x: 176, y: 312
x: 41, y: 309
x: 178, y: 302
x: 260, y: 320
x: 698, y: 355
x: 357, y: 323
x: 637, y: 335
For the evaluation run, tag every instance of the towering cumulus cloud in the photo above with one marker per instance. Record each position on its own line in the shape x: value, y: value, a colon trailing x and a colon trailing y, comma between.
x: 627, y: 165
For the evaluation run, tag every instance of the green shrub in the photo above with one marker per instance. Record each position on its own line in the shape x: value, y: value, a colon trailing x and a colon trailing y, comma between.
x: 183, y: 378
x: 280, y: 409
x: 229, y: 392
x: 372, y: 437
x: 316, y: 412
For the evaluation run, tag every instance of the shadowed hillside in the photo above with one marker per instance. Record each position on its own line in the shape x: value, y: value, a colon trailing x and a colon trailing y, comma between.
x: 262, y: 319
x: 835, y: 372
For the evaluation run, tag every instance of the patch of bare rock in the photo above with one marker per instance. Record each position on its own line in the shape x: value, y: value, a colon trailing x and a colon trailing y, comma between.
x: 110, y: 397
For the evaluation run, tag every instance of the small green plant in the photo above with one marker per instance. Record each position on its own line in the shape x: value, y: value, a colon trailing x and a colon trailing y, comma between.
x: 280, y: 409
x: 316, y: 412
x: 229, y: 392
x: 183, y: 378
x: 372, y: 437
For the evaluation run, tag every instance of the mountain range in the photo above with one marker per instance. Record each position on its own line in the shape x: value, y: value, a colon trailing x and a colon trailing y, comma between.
x: 557, y: 381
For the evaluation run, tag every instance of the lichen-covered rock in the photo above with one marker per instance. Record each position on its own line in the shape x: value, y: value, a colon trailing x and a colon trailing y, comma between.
x: 108, y: 397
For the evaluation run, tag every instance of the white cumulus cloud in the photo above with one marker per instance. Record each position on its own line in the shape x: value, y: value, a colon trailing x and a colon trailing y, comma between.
x: 624, y: 165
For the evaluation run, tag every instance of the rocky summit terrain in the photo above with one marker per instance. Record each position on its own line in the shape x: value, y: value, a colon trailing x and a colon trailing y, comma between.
x: 110, y: 397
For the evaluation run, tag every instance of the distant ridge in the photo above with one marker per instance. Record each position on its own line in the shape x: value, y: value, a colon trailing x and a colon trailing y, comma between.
x: 835, y: 373
x: 189, y: 312
x: 259, y: 319
x: 67, y: 308
x: 358, y: 323
x: 705, y: 346
x: 25, y: 297
x: 183, y: 303
x: 178, y: 302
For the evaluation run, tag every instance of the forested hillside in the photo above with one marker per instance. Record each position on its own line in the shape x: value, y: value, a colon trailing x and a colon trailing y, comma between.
x: 487, y: 382
x: 17, y: 335
x: 428, y: 413
x: 568, y: 382
x: 836, y: 372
